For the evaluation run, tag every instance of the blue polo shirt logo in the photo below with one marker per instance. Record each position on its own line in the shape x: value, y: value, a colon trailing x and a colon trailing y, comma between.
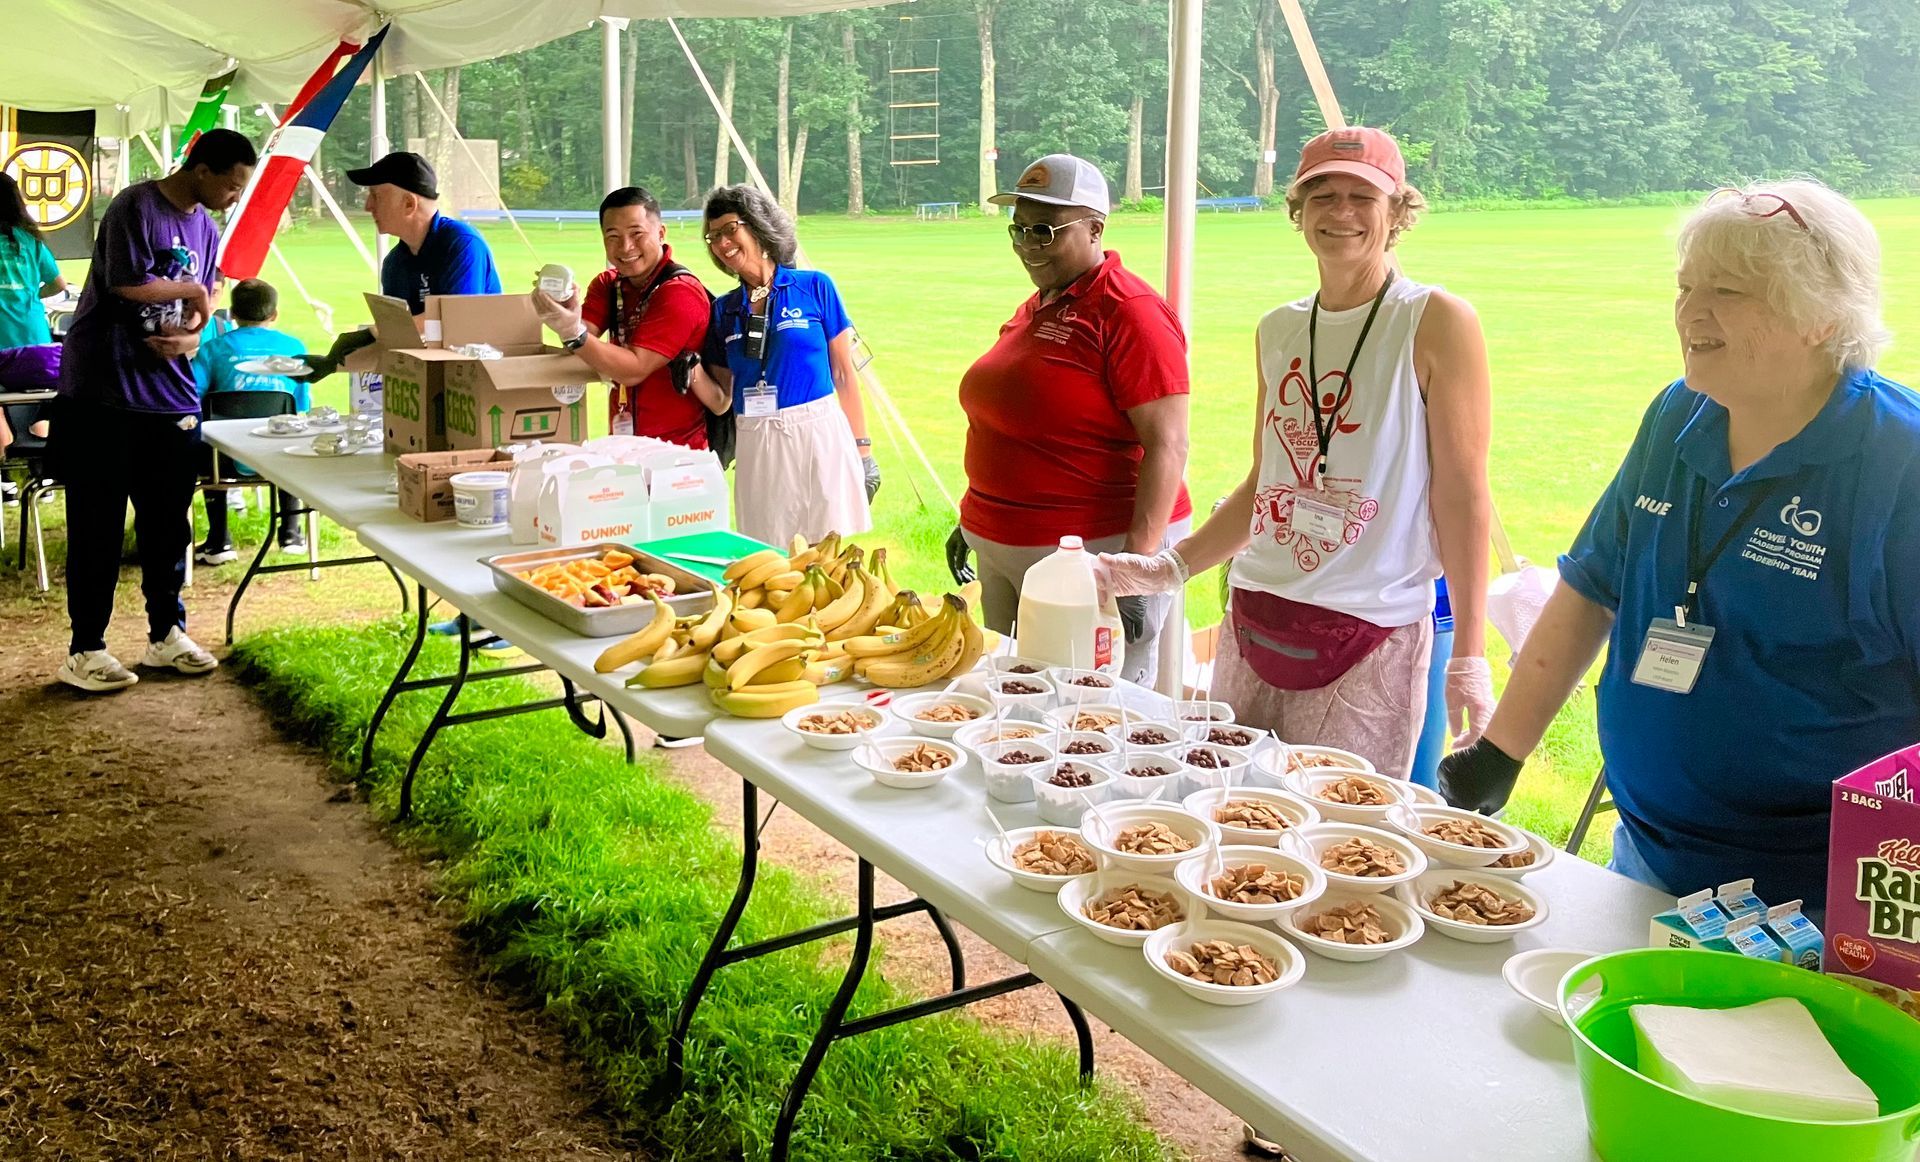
x: 1792, y: 551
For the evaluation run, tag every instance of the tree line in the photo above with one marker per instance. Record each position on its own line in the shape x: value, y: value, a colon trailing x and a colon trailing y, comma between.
x: 888, y: 107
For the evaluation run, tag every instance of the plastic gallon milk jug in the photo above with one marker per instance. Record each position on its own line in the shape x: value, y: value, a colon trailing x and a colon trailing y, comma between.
x: 1062, y: 620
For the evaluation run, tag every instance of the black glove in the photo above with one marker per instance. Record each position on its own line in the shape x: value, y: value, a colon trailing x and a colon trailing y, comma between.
x: 873, y: 477
x: 320, y: 366
x: 1479, y: 777
x: 1133, y: 617
x: 957, y: 550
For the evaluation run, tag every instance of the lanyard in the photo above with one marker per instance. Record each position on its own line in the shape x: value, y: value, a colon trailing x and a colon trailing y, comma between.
x: 1698, y: 565
x: 1323, y: 428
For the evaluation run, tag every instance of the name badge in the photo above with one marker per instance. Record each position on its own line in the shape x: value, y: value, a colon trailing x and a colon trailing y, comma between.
x: 623, y: 420
x: 1316, y: 515
x: 1672, y: 655
x: 762, y: 399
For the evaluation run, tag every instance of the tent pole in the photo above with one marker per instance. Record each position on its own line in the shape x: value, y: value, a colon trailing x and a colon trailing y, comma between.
x: 473, y: 159
x: 610, y: 119
x: 166, y: 147
x: 1183, y: 174
x: 378, y: 146
x: 868, y: 377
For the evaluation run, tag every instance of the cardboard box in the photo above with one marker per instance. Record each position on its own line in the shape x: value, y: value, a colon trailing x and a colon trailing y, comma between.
x: 686, y: 496
x: 607, y: 503
x: 1873, y: 879
x: 425, y: 493
x: 532, y: 392
x: 408, y: 373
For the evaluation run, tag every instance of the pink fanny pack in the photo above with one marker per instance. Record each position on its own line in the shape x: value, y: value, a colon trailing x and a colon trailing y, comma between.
x: 1299, y: 647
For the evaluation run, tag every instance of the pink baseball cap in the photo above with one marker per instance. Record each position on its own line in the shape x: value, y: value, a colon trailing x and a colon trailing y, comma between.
x: 1369, y: 154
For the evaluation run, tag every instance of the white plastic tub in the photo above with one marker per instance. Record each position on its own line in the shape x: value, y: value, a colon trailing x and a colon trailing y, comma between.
x: 479, y: 499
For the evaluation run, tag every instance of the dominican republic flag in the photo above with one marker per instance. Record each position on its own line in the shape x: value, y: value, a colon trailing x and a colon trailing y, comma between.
x: 251, y: 226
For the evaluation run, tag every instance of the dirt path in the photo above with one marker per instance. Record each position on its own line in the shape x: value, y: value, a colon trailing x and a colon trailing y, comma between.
x: 212, y: 950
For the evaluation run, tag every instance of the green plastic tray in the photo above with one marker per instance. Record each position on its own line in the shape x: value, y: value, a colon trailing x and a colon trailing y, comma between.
x: 724, y: 544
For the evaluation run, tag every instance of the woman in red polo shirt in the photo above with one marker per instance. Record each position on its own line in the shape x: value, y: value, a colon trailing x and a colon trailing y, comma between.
x: 652, y: 311
x: 1077, y: 416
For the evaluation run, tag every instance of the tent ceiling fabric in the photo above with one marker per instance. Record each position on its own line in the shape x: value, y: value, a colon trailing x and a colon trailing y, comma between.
x: 153, y: 56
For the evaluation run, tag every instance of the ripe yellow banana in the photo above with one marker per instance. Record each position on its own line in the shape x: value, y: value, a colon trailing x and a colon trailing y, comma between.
x: 872, y: 604
x: 799, y: 603
x: 843, y: 608
x: 929, y: 662
x: 751, y: 563
x: 750, y: 599
x: 641, y: 644
x: 780, y: 673
x: 797, y: 545
x: 682, y: 671
x: 877, y: 565
x: 765, y: 572
x: 973, y: 642
x: 881, y: 645
x: 787, y: 579
x: 827, y: 671
x: 667, y: 649
x: 714, y: 673
x: 747, y: 618
x: 841, y: 568
x: 766, y: 701
x: 710, y: 627
x: 743, y: 671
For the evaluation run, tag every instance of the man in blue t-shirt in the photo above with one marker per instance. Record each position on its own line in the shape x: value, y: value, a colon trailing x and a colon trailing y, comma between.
x: 255, y: 306
x: 435, y: 255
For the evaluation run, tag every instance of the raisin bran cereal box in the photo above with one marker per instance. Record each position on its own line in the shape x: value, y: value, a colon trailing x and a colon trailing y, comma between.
x: 1873, y: 879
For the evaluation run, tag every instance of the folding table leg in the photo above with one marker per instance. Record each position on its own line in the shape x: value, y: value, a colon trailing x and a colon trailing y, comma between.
x: 438, y: 720
x: 676, y: 1075
x: 955, y: 958
x: 1083, y: 1037
x: 259, y: 558
x: 831, y: 1020
x: 393, y: 687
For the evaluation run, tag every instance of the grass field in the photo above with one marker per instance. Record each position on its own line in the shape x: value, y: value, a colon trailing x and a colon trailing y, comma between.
x: 1575, y: 303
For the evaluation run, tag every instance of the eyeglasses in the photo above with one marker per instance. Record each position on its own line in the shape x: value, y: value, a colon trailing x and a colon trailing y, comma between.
x: 726, y: 231
x: 1761, y: 205
x: 1042, y: 233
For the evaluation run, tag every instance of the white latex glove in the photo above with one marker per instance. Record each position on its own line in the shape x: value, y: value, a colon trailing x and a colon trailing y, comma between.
x: 1469, y: 699
x: 563, y: 319
x: 1136, y: 574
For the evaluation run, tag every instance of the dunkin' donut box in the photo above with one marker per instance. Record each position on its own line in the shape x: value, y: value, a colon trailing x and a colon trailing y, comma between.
x: 1873, y: 879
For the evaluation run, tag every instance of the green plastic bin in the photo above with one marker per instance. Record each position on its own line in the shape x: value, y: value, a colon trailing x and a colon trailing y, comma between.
x: 1634, y: 1119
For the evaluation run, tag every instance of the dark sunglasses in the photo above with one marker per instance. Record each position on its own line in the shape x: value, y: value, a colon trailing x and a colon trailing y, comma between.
x: 1042, y: 233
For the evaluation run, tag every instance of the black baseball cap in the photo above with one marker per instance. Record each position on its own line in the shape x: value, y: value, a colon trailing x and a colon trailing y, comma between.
x: 409, y: 171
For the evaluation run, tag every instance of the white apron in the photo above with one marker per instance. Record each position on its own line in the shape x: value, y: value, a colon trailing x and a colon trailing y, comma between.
x: 797, y: 471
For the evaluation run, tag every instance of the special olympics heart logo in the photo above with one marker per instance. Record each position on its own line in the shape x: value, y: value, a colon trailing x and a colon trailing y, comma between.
x: 1855, y: 954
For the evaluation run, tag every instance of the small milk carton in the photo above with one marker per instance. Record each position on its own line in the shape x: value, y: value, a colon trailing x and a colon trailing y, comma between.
x: 603, y: 503
x: 1749, y: 937
x: 1873, y: 879
x: 1690, y: 923
x: 1739, y: 901
x: 1792, y: 930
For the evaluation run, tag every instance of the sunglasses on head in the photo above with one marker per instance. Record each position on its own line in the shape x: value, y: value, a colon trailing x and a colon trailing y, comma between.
x: 1042, y: 233
x: 1759, y: 205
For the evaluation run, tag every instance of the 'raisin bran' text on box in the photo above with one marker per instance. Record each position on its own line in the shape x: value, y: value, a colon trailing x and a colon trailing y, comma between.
x: 1873, y: 879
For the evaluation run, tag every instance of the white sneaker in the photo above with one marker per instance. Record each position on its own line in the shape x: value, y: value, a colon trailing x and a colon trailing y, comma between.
x: 179, y: 652
x: 96, y: 672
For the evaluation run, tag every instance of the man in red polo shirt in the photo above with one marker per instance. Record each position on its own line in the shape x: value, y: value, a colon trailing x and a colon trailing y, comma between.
x: 1077, y: 416
x: 652, y: 310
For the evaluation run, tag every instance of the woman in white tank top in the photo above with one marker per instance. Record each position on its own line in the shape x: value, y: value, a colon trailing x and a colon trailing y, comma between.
x: 1369, y: 482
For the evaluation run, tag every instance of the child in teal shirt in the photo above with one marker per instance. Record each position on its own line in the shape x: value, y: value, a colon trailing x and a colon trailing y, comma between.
x: 255, y: 306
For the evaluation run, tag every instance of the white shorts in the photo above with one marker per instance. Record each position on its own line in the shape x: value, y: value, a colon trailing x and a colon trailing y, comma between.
x: 797, y: 471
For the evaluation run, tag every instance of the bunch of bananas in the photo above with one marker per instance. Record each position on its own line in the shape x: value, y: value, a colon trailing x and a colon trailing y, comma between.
x: 788, y: 623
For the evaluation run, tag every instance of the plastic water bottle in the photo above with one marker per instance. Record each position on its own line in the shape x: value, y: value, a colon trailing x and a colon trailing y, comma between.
x: 1062, y: 620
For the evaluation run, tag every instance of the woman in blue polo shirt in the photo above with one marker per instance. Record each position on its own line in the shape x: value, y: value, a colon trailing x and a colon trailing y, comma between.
x: 1751, y: 570
x: 780, y: 349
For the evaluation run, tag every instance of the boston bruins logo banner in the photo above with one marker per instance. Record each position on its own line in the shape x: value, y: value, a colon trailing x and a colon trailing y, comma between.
x: 50, y: 156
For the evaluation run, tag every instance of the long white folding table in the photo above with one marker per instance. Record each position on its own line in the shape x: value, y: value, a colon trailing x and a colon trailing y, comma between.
x: 1425, y: 1054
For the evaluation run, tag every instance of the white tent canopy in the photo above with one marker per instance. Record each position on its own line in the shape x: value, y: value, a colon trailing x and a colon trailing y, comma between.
x: 151, y: 57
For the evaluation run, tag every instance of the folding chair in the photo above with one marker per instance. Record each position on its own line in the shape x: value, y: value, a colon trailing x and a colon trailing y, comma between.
x: 1597, y: 801
x: 250, y: 405
x: 27, y: 458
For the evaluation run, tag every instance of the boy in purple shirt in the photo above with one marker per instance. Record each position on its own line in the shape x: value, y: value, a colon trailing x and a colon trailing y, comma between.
x: 126, y: 424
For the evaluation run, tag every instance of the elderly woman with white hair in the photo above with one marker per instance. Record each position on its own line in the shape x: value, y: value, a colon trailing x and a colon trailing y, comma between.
x: 1754, y: 569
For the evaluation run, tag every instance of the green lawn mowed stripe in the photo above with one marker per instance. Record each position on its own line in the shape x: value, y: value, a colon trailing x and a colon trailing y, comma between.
x: 595, y: 885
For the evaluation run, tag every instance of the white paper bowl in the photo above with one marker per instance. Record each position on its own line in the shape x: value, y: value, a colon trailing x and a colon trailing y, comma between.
x: 1067, y: 713
x: 1244, y: 739
x: 984, y: 732
x: 876, y: 758
x: 1114, y: 818
x: 1402, y: 923
x: 1169, y: 734
x: 1437, y: 879
x: 907, y: 709
x: 1296, y: 810
x: 1195, y: 874
x: 1536, y: 974
x: 1169, y: 783
x: 1411, y: 820
x: 1421, y: 795
x: 1063, y: 806
x: 1076, y: 892
x: 1015, y: 664
x: 1199, y: 710
x: 1307, y: 785
x: 1073, y: 682
x: 1085, y: 738
x: 1232, y: 772
x: 1321, y: 836
x: 1012, y: 783
x: 1001, y: 856
x: 1543, y: 854
x: 1286, y: 957
x: 1345, y: 759
x: 875, y: 717
x: 1021, y: 705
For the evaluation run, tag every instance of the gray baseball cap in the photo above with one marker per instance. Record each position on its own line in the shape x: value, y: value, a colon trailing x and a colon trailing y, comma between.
x: 1060, y: 179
